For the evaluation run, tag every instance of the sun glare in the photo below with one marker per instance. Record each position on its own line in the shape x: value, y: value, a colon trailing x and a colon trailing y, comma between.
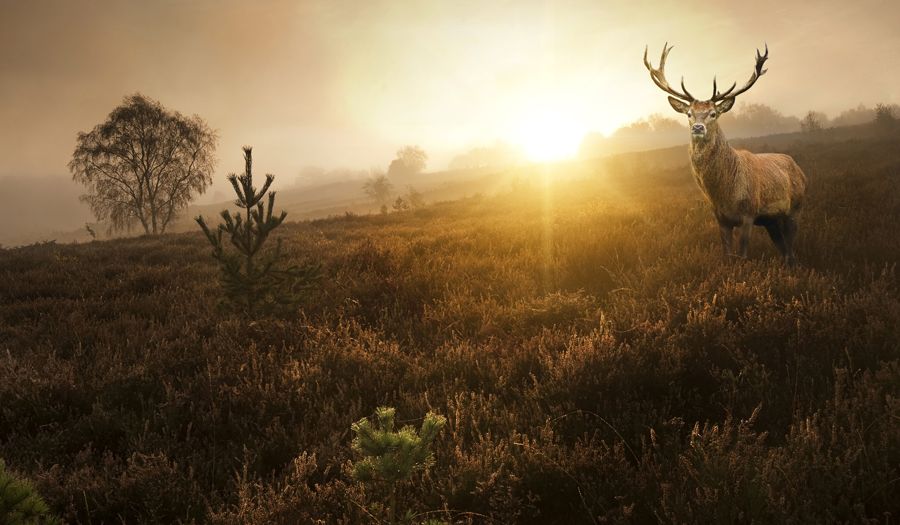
x: 548, y: 135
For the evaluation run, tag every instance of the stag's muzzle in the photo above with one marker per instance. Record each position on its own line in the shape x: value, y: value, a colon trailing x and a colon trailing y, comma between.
x: 698, y: 129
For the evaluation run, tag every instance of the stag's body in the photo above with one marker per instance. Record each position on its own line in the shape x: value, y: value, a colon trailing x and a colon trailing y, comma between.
x: 766, y: 189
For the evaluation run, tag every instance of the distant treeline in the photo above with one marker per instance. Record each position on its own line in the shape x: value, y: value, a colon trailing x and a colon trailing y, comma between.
x: 747, y: 120
x: 651, y: 132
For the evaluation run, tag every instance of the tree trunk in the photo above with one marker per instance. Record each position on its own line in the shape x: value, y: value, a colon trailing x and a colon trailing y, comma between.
x: 144, y: 222
x: 153, y: 218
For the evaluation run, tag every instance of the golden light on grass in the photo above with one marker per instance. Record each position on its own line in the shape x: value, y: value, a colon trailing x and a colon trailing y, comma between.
x: 547, y: 233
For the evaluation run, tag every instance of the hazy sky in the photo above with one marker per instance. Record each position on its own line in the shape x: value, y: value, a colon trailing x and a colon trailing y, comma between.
x: 346, y: 83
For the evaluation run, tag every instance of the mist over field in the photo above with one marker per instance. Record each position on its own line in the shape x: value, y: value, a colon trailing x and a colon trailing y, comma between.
x: 43, y: 208
x: 431, y: 263
x: 341, y: 87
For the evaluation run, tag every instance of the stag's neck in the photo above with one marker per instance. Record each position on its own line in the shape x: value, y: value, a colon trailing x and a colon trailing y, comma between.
x: 714, y: 161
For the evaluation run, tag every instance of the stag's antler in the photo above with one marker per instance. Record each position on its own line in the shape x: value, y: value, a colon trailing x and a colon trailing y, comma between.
x: 757, y: 72
x: 659, y: 76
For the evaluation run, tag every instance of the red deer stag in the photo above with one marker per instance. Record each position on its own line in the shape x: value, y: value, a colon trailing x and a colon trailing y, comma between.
x: 744, y: 188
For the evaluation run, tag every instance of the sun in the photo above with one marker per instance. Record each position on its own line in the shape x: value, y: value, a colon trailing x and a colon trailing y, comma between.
x: 548, y: 135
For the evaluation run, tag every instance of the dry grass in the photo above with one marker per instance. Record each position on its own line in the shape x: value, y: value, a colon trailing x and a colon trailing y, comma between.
x: 594, y: 355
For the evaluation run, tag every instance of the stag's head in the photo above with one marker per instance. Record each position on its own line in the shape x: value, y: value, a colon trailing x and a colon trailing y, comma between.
x: 702, y: 114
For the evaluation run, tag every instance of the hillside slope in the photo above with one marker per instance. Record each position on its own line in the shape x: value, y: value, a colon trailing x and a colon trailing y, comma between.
x: 595, y: 356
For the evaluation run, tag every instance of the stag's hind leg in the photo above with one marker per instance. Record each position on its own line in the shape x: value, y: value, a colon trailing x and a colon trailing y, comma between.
x: 773, y: 226
x: 789, y: 231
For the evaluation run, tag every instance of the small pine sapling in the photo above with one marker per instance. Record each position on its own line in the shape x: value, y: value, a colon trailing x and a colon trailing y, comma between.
x: 252, y: 281
x: 19, y: 503
x: 392, y: 457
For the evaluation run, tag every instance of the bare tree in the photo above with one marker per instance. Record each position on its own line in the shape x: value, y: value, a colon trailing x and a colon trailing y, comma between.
x: 813, y: 122
x: 143, y: 164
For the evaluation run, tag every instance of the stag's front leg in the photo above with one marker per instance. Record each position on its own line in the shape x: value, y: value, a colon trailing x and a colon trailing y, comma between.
x: 726, y: 232
x: 744, y: 230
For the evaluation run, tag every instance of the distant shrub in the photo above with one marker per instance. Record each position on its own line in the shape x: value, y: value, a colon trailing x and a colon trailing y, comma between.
x: 884, y: 116
x: 400, y: 204
x: 415, y: 198
x: 378, y: 188
x: 19, y: 503
x: 251, y: 280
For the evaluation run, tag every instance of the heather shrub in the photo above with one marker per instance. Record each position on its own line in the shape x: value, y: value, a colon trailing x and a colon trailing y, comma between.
x: 298, y: 496
x: 595, y: 357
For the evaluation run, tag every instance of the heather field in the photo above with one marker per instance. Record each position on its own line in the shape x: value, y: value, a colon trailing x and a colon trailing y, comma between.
x: 595, y: 356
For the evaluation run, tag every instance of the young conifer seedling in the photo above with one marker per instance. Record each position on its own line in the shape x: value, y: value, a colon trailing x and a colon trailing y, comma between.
x: 252, y: 280
x: 392, y: 456
x: 19, y: 503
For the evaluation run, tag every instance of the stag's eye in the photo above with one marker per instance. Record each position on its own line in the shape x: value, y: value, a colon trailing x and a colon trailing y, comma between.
x: 712, y: 115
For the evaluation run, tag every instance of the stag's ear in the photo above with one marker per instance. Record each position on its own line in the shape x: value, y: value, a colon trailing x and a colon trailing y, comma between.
x: 678, y: 105
x: 725, y: 105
